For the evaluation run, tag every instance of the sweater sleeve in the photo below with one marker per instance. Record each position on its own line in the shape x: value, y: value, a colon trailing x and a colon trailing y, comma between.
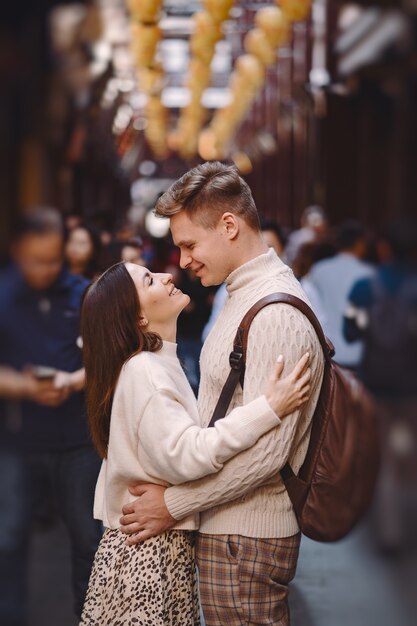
x: 173, y: 448
x: 255, y: 466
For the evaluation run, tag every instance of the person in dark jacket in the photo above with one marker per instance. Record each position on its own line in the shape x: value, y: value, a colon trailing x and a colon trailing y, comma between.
x: 45, y: 444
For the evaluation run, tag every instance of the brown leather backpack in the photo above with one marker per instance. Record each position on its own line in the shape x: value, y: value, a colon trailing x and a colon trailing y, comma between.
x: 336, y: 481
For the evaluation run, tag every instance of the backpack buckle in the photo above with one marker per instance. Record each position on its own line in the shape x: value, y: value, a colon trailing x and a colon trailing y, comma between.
x: 235, y: 360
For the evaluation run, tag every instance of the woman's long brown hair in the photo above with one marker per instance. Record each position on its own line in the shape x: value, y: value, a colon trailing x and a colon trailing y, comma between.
x: 111, y: 335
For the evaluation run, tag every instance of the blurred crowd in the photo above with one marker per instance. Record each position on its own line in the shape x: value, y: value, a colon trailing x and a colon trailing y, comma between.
x: 362, y: 286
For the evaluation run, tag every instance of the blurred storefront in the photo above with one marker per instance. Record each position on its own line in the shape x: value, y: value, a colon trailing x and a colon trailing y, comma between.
x: 369, y: 132
x: 105, y: 102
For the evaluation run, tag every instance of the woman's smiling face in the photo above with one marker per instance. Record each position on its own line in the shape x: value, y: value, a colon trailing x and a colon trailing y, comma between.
x: 160, y: 301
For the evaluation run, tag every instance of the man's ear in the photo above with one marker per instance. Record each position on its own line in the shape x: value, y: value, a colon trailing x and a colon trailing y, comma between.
x: 143, y: 321
x: 230, y: 225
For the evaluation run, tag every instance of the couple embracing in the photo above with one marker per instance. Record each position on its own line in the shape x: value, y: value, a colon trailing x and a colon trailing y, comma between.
x: 162, y: 466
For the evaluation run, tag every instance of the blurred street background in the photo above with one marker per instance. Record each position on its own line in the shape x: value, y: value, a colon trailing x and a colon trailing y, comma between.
x: 103, y: 104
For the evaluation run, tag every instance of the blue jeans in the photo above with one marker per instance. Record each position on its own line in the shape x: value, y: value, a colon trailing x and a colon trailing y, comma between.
x: 72, y: 474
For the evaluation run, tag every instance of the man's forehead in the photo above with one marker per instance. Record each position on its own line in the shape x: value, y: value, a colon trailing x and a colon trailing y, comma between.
x: 183, y: 241
x: 183, y: 230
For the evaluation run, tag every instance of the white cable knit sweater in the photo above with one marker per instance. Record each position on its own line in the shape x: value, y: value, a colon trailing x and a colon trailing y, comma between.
x: 155, y: 435
x: 247, y: 496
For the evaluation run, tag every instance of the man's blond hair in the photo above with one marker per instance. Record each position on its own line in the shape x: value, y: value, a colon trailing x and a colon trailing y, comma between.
x: 206, y: 192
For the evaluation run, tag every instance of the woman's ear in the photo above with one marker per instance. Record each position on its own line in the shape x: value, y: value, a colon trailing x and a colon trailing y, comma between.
x: 143, y: 321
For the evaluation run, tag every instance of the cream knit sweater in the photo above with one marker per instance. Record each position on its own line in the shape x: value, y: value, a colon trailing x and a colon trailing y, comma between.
x: 155, y: 434
x: 247, y: 496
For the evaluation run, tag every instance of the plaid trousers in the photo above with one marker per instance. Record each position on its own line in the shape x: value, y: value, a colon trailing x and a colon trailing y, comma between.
x: 244, y: 581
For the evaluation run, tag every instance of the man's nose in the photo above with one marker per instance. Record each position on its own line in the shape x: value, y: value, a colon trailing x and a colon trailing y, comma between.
x: 185, y: 260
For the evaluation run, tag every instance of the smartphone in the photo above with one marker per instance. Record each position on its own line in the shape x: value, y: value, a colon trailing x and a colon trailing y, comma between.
x: 43, y: 372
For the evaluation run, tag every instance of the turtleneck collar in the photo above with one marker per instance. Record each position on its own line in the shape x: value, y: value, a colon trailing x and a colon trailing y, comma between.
x: 264, y: 264
x: 169, y: 348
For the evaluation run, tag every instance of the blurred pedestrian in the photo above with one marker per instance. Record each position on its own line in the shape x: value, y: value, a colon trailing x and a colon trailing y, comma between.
x: 307, y: 255
x: 132, y: 251
x: 191, y: 324
x: 45, y: 439
x: 274, y: 236
x: 113, y: 242
x: 333, y: 279
x: 382, y: 311
x: 72, y: 220
x: 314, y: 226
x: 82, y: 250
x: 219, y: 301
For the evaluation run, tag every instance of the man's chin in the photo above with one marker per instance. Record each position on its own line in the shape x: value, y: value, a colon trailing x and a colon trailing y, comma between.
x: 205, y: 281
x: 208, y: 281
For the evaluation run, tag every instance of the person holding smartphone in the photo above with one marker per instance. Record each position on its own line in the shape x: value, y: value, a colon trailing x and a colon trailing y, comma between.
x: 43, y: 427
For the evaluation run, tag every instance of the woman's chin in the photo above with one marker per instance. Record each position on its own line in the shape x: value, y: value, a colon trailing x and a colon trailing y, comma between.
x: 184, y: 300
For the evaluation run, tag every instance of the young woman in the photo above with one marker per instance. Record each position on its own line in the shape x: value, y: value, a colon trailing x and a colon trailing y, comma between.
x: 144, y: 422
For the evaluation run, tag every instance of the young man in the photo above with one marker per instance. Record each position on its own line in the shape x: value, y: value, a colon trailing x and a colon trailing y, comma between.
x: 248, y: 544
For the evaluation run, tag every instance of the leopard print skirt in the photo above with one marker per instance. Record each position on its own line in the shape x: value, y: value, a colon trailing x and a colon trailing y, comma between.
x: 151, y: 584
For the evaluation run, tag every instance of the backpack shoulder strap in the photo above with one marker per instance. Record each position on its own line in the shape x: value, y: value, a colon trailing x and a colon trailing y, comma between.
x: 237, y: 357
x: 241, y: 339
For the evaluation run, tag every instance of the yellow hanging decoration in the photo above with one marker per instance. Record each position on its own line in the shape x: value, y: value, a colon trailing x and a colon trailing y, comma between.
x: 274, y: 23
x: 146, y: 35
x: 257, y: 43
x: 207, y: 32
x: 155, y: 129
x: 218, y: 9
x: 145, y: 38
x: 145, y: 11
x: 272, y: 30
x: 295, y: 10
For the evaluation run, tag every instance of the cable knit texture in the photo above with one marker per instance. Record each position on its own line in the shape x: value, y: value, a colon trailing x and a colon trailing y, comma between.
x: 247, y: 496
x: 155, y: 435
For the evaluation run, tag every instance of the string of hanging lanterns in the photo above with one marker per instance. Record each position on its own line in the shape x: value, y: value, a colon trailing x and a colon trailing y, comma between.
x: 146, y: 34
x: 272, y: 30
x: 207, y: 31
